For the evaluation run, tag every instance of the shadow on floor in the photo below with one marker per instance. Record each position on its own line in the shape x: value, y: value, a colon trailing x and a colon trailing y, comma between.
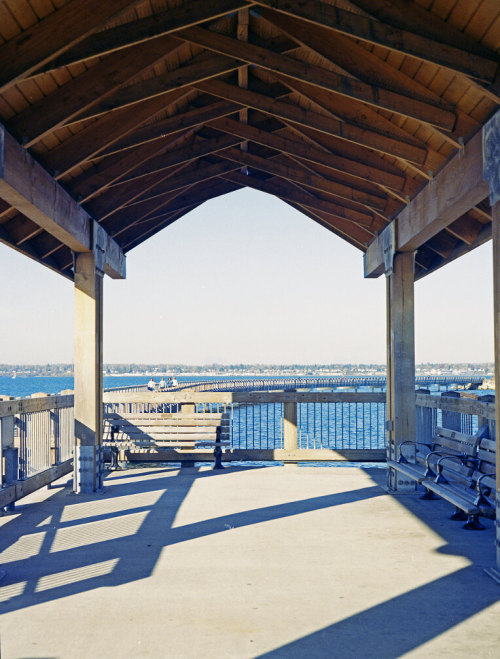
x: 117, y: 530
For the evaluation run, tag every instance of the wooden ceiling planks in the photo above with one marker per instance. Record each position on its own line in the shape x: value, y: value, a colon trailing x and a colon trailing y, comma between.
x: 343, y: 109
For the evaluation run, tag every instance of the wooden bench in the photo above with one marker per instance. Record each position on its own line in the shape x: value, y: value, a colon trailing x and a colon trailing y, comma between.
x: 152, y: 432
x: 459, y: 468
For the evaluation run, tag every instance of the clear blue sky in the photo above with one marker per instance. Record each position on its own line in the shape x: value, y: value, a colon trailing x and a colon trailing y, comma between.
x: 245, y: 278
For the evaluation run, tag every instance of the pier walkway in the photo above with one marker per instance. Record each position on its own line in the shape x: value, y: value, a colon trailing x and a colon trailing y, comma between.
x: 328, y: 382
x: 248, y: 562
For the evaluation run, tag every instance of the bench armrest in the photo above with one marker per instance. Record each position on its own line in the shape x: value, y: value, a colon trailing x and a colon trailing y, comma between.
x: 439, y: 465
x: 481, y: 496
x: 402, y: 458
x: 428, y: 471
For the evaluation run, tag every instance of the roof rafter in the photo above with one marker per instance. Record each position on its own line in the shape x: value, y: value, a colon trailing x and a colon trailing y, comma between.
x: 379, y: 33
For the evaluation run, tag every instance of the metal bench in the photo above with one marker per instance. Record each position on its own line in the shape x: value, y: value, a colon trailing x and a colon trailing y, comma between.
x: 154, y: 432
x: 459, y: 468
x: 468, y: 482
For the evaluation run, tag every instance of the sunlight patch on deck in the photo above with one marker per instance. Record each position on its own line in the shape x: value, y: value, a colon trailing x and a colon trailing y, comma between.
x: 68, y: 577
x: 25, y: 547
x: 92, y: 533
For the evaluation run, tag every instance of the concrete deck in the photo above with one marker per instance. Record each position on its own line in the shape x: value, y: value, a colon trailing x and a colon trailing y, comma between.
x: 248, y: 562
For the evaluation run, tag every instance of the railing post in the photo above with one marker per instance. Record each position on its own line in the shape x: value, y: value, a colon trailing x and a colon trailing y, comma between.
x: 9, y: 455
x: 451, y: 420
x: 424, y: 429
x: 290, y: 437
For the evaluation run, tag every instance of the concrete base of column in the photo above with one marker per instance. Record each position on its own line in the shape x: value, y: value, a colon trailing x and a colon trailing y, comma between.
x: 88, y: 469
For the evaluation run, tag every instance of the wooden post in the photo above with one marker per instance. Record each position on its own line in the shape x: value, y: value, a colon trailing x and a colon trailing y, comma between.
x: 451, y: 420
x: 496, y: 317
x: 491, y: 172
x: 88, y: 374
x: 401, y: 412
x: 290, y: 442
x: 424, y: 429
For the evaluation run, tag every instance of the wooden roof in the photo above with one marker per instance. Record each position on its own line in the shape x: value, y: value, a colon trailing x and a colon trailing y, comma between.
x: 345, y: 110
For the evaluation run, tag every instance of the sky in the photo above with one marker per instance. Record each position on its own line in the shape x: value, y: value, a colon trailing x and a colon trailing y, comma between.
x: 247, y: 279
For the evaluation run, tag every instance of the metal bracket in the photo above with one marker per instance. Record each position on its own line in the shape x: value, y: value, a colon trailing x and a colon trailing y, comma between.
x: 99, y: 247
x: 388, y: 237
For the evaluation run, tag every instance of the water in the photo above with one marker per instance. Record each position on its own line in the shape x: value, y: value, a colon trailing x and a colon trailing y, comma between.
x: 23, y: 386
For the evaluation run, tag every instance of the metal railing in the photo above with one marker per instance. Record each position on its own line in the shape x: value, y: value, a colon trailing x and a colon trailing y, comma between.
x: 38, y: 433
x: 316, y: 421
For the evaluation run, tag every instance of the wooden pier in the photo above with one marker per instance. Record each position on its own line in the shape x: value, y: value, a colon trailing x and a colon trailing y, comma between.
x: 380, y: 121
x: 244, y: 562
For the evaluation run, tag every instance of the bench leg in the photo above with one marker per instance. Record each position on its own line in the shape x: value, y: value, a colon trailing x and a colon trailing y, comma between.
x: 458, y: 515
x: 218, y: 458
x: 473, y: 524
x: 113, y: 465
x: 429, y: 495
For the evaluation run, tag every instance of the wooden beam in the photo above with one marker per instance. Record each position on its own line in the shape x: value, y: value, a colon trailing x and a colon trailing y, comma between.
x: 203, y: 171
x: 73, y: 100
x: 189, y: 119
x: 278, y: 189
x: 28, y: 51
x: 172, y: 202
x: 387, y: 175
x: 352, y: 233
x: 28, y: 250
x: 437, y: 114
x: 194, y: 150
x: 303, y: 177
x: 365, y: 118
x: 365, y: 65
x: 28, y: 187
x: 101, y: 134
x: 109, y: 170
x: 295, y: 114
x: 113, y: 200
x: 456, y: 189
x: 138, y: 92
x: 379, y: 33
x: 146, y: 29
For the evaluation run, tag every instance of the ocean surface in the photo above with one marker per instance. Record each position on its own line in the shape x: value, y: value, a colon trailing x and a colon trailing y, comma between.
x: 25, y: 385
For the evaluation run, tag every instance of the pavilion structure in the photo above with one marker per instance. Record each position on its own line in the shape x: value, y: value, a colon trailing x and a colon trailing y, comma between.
x: 378, y: 119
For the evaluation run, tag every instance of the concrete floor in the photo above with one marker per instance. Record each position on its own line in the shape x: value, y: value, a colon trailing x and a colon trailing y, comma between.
x: 248, y: 562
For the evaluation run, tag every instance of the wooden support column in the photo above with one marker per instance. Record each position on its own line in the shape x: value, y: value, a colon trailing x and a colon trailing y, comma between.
x: 496, y: 318
x: 401, y: 407
x: 491, y: 172
x: 88, y: 373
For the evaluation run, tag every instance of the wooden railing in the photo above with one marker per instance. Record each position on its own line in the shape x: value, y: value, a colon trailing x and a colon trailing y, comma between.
x: 37, y: 438
x: 37, y: 434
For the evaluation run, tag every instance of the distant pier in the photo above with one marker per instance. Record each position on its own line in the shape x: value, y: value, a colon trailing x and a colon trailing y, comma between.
x: 334, y: 382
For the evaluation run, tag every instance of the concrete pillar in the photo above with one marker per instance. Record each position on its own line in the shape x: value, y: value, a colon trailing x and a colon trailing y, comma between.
x: 88, y: 374
x: 401, y: 413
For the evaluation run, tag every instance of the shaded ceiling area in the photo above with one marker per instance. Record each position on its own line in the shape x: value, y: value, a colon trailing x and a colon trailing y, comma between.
x: 344, y: 110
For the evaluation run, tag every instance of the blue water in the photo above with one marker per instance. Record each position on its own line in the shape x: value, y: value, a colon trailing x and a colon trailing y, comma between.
x: 23, y: 386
